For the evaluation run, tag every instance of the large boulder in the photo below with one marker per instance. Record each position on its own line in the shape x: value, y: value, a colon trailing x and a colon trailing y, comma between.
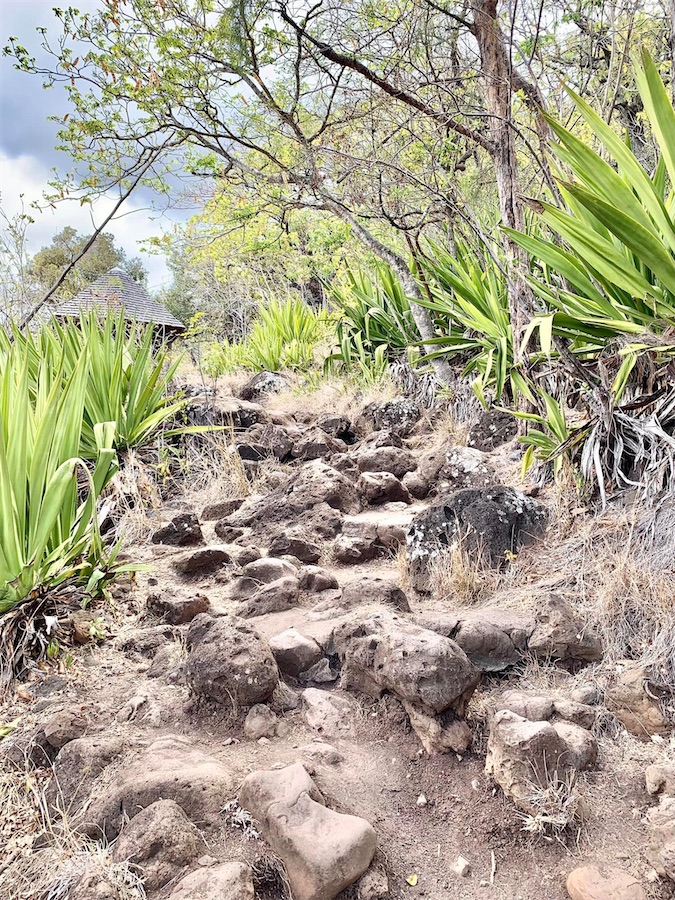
x: 395, y: 460
x: 260, y: 385
x: 382, y: 652
x: 76, y: 768
x: 161, y: 841
x: 171, y: 768
x: 315, y: 485
x: 373, y: 589
x: 398, y: 415
x: 229, y: 662
x: 523, y: 756
x: 451, y: 469
x: 494, y: 639
x: 226, y: 881
x: 559, y: 633
x: 323, y: 851
x: 490, y: 523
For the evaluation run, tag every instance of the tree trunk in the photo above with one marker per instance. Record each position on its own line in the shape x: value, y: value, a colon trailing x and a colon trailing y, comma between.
x: 496, y: 68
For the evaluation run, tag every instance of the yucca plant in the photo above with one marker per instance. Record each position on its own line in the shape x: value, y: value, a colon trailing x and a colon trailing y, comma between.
x: 48, y: 523
x: 609, y: 284
x: 374, y: 311
x: 285, y: 336
x: 469, y: 294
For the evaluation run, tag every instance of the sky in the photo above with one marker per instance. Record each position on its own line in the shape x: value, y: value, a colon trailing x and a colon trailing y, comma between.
x: 27, y: 141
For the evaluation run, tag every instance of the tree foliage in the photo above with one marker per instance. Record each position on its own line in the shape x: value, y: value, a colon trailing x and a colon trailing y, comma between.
x: 49, y: 262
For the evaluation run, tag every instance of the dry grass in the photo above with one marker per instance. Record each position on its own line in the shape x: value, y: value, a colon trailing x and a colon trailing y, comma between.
x: 44, y: 859
x: 331, y: 395
x: 556, y: 803
x: 461, y: 577
x: 617, y: 572
x: 449, y: 429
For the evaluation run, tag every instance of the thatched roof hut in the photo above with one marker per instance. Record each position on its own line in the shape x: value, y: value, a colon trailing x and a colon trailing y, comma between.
x: 116, y: 290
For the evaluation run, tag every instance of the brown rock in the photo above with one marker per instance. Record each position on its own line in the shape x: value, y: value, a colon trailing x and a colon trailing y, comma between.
x: 227, y: 881
x: 603, y: 882
x: 181, y: 531
x: 382, y: 487
x: 394, y: 460
x: 382, y: 652
x: 177, y: 609
x: 295, y: 542
x: 221, y: 509
x: 76, y: 768
x: 316, y: 579
x: 522, y: 755
x: 661, y: 851
x: 171, y: 768
x: 626, y: 698
x: 577, y: 713
x: 294, y: 652
x: 229, y: 662
x: 273, y: 597
x: 660, y: 780
x: 260, y: 722
x: 373, y: 589
x: 161, y: 841
x: 201, y: 562
x: 560, y: 634
x: 327, y: 713
x: 323, y: 851
x: 65, y: 726
x: 535, y: 707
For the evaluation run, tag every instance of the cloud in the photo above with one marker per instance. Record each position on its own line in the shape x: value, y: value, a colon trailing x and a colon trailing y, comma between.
x: 27, y: 146
x: 27, y: 175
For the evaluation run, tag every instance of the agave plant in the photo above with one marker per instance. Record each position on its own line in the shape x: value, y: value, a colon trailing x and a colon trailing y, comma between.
x: 48, y: 524
x: 470, y: 302
x: 127, y: 381
x: 374, y: 311
x: 609, y: 286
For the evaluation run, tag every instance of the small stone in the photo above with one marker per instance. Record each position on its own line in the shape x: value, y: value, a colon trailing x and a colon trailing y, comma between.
x: 260, y: 722
x: 181, y: 531
x: 422, y: 800
x: 207, y: 860
x: 63, y: 727
x: 461, y: 867
x: 176, y: 609
x: 201, y: 562
x: 318, y: 751
x: 294, y: 652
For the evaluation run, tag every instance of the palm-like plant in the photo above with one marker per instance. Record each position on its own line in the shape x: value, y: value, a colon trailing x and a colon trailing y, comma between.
x: 48, y: 524
x: 609, y: 287
x: 469, y: 302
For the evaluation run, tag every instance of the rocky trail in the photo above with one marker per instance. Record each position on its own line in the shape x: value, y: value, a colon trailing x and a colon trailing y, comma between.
x: 286, y: 704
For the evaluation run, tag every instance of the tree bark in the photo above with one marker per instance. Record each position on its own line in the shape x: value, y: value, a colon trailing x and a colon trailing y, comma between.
x: 497, y: 72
